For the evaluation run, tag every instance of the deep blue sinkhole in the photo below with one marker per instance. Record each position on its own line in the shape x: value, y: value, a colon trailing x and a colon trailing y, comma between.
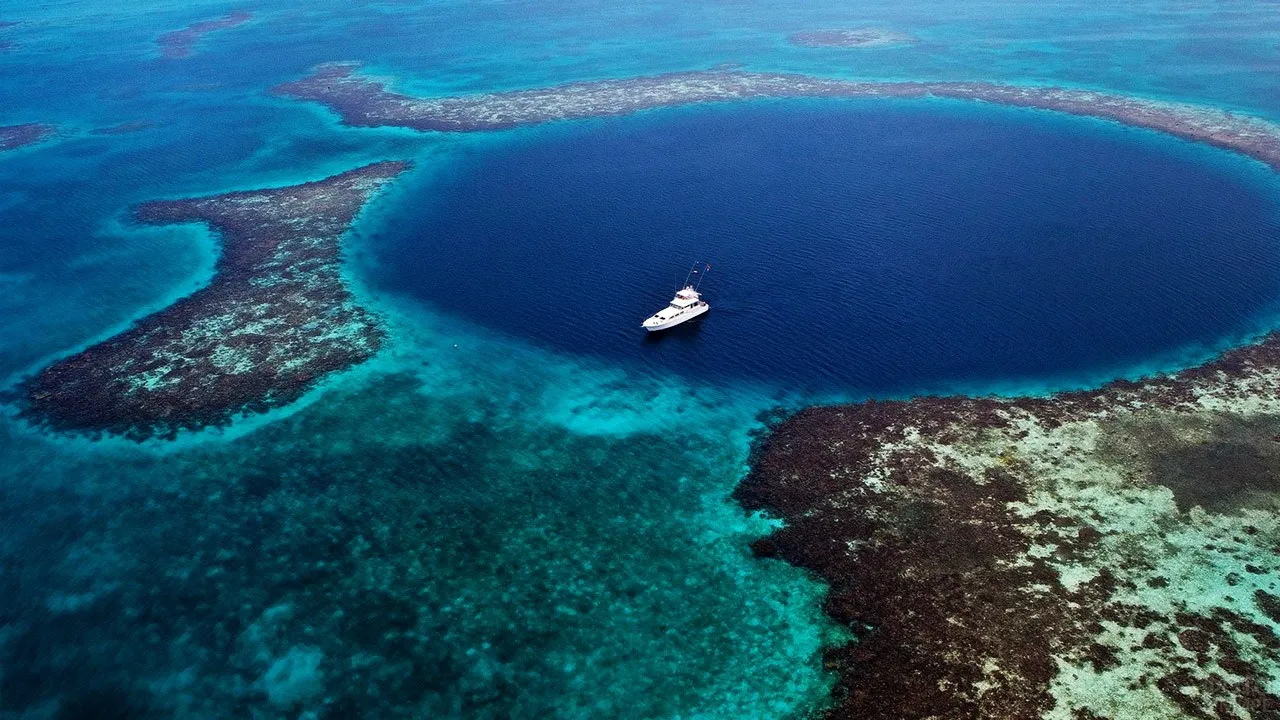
x: 854, y: 247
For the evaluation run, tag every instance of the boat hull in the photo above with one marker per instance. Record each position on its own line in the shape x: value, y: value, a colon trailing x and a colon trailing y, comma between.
x: 683, y: 318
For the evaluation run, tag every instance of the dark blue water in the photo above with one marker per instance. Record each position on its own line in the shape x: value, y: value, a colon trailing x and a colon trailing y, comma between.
x: 854, y: 247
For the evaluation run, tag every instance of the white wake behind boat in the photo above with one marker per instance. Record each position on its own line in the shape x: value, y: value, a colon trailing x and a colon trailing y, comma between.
x: 687, y: 305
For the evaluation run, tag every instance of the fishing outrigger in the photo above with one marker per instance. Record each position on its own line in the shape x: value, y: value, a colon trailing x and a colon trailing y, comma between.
x: 687, y: 305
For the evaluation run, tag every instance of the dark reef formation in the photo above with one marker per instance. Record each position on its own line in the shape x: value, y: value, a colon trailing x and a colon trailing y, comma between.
x: 180, y: 44
x: 366, y: 102
x: 13, y: 137
x: 1106, y: 553
x: 857, y: 38
x: 7, y: 45
x: 276, y: 318
x: 125, y: 128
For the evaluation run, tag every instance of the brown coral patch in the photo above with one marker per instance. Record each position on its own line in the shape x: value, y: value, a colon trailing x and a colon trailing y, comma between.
x: 276, y: 318
x: 366, y: 102
x: 13, y: 137
x: 947, y: 624
x: 125, y: 128
x: 180, y: 44
x: 935, y: 566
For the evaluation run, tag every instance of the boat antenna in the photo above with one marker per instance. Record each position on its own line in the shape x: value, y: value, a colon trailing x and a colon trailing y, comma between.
x: 692, y: 271
x: 702, y: 275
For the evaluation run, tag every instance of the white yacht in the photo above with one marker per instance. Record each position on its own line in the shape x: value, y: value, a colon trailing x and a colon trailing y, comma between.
x: 686, y: 305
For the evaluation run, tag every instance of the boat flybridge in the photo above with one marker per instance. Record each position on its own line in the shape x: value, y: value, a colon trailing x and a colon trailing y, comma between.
x: 687, y: 305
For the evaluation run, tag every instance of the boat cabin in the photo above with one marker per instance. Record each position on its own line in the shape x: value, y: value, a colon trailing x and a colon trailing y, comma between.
x: 686, y: 298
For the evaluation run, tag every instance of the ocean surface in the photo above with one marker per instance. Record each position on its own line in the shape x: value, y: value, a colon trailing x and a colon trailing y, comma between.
x: 520, y: 508
x: 855, y: 248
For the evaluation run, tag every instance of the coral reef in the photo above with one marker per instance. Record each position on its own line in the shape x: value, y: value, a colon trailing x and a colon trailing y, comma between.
x: 13, y: 137
x: 1107, y: 553
x: 275, y: 319
x: 366, y: 102
x: 415, y: 546
x: 295, y: 678
x: 125, y: 128
x: 7, y: 45
x: 856, y: 38
x: 1092, y: 554
x: 180, y: 44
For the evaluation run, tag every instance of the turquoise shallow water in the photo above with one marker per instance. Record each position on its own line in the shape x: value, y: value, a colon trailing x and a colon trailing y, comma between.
x: 470, y: 525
